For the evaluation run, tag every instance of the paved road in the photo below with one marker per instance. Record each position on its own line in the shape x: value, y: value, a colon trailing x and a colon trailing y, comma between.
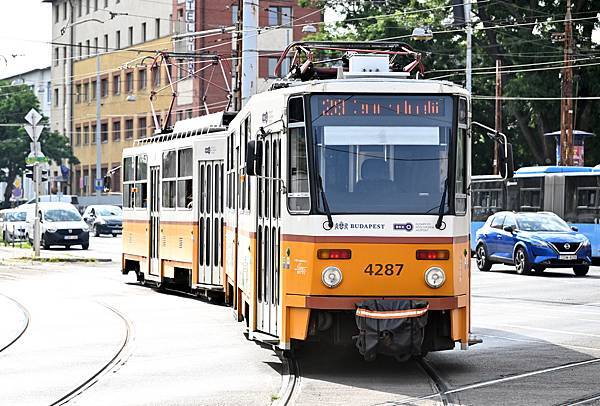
x: 541, y: 346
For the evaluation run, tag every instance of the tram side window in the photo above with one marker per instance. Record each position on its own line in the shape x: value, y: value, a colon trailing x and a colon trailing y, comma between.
x: 460, y: 173
x: 169, y: 175
x: 128, y: 178
x: 530, y: 199
x: 582, y: 199
x: 298, y: 191
x: 184, y: 178
x: 141, y: 181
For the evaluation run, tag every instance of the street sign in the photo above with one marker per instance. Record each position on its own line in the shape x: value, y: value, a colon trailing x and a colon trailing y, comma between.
x: 33, y: 131
x: 99, y: 184
x: 33, y: 117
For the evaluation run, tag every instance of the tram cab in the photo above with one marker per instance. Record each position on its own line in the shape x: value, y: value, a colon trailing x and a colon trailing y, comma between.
x: 344, y: 216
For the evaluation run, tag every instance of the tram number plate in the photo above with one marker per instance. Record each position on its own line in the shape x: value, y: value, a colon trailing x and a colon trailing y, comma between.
x: 568, y: 257
x: 384, y: 269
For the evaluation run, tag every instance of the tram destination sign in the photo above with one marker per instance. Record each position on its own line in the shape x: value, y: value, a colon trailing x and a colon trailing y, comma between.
x: 357, y: 106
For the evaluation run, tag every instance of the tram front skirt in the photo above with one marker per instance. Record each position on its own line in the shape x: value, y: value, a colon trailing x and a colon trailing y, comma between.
x: 390, y: 327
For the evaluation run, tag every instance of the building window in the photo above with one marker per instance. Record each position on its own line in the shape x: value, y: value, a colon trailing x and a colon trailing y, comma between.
x: 143, y: 32
x: 142, y: 127
x: 130, y: 36
x: 56, y: 57
x: 155, y: 74
x: 96, y: 45
x: 105, y: 3
x: 85, y: 92
x: 105, y: 42
x: 104, y: 133
x: 64, y: 54
x: 234, y: 14
x: 278, y: 15
x: 142, y: 79
x: 129, y: 129
x: 118, y: 40
x: 87, y: 48
x: 56, y: 97
x: 56, y: 14
x: 80, y: 50
x: 116, y: 131
x: 157, y: 27
x: 93, y: 90
x: 272, y: 63
x: 65, y: 10
x: 93, y: 133
x: 79, y: 6
x: 116, y: 179
x: 129, y: 82
x: 104, y: 87
x: 78, y: 135
x: 77, y: 93
x: 117, y: 84
x: 86, y: 135
x: 48, y: 92
x: 95, y: 5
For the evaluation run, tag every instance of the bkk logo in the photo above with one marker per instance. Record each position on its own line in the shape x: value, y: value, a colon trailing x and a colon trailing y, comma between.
x: 403, y: 226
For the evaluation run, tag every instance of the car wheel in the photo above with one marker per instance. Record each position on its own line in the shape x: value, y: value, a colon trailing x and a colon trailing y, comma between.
x: 522, y: 263
x: 85, y: 246
x: 483, y: 263
x: 45, y: 244
x: 581, y: 270
x: 95, y: 231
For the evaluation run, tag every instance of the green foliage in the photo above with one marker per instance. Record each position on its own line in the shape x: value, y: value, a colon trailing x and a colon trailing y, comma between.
x: 15, y: 102
x: 516, y: 32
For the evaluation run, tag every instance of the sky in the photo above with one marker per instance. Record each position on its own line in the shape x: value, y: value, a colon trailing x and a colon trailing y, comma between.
x: 24, y: 27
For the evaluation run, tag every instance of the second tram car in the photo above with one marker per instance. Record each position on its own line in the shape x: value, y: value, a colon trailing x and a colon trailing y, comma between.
x: 571, y: 192
x: 324, y: 210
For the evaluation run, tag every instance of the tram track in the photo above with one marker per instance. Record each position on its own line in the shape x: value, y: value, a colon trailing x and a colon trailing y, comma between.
x: 290, y: 380
x: 439, y: 383
x: 23, y: 327
x: 119, y: 359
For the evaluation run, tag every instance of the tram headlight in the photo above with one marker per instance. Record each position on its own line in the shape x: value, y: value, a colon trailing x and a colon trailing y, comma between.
x: 435, y: 277
x: 331, y: 276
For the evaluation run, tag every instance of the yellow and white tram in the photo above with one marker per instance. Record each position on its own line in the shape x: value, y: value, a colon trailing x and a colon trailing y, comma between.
x: 325, y: 209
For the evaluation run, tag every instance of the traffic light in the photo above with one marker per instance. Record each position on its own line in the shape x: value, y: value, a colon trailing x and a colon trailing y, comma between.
x: 29, y: 172
x: 44, y: 175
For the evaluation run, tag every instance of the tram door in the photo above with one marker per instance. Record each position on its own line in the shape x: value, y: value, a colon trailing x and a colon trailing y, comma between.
x: 210, y: 222
x: 154, y: 231
x: 268, y: 236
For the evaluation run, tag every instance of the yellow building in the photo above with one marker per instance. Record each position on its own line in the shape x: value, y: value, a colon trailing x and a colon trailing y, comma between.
x: 126, y: 81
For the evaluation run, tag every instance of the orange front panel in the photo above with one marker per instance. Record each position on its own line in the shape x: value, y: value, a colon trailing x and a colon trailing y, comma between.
x: 375, y: 269
x: 177, y: 241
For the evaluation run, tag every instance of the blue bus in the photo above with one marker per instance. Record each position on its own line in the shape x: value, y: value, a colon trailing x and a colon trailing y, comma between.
x: 571, y: 192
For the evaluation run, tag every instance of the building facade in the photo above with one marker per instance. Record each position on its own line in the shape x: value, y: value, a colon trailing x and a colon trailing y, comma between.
x: 200, y: 83
x: 127, y: 79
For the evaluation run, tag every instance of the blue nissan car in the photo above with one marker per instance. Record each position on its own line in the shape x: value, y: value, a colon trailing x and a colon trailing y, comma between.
x: 532, y: 242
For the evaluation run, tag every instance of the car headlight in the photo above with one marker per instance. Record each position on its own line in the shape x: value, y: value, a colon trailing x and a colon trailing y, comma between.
x: 538, y: 243
x: 586, y: 243
x: 51, y: 230
x: 86, y: 228
x: 435, y: 277
x: 101, y: 221
x: 331, y: 276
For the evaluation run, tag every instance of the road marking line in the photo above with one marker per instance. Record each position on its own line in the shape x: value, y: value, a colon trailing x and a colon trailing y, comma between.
x: 549, y: 330
x: 579, y: 347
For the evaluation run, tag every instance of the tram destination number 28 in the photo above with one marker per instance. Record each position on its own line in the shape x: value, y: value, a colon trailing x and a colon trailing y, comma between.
x: 384, y: 269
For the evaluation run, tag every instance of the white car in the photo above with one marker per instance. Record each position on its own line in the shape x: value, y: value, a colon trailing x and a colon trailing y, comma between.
x: 60, y: 224
x: 13, y: 224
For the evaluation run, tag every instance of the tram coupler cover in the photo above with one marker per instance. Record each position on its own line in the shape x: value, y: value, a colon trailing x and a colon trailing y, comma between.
x: 390, y: 327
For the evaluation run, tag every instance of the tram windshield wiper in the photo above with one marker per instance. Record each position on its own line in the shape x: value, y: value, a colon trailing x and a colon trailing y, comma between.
x: 440, y: 225
x: 325, y: 205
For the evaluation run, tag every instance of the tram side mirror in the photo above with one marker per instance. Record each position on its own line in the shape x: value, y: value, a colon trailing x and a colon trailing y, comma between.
x: 107, y: 183
x: 507, y: 165
x: 254, y: 157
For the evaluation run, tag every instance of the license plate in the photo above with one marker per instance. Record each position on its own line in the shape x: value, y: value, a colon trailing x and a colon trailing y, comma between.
x: 70, y: 237
x: 116, y: 231
x: 567, y: 257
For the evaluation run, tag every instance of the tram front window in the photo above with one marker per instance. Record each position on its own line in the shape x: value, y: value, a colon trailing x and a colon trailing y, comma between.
x: 382, y: 154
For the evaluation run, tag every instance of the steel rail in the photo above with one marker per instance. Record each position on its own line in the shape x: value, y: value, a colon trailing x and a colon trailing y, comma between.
x: 439, y: 383
x: 290, y: 380
x: 24, y: 325
x: 117, y: 360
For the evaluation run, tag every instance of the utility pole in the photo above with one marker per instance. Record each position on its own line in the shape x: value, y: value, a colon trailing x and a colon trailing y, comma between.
x: 498, y: 126
x: 469, y: 28
x: 566, y: 116
x: 249, y: 49
x: 237, y: 82
x: 36, y: 157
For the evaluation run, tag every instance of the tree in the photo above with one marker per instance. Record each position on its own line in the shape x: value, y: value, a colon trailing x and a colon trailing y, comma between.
x: 519, y: 34
x: 15, y: 102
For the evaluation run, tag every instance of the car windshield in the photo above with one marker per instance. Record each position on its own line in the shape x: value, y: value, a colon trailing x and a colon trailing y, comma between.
x: 61, y: 215
x: 16, y: 216
x: 541, y: 222
x: 108, y: 211
x: 382, y: 154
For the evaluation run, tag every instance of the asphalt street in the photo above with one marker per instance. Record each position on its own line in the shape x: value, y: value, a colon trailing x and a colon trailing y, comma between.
x: 92, y: 336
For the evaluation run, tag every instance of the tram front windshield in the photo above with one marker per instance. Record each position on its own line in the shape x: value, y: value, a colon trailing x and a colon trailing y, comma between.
x: 382, y: 154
